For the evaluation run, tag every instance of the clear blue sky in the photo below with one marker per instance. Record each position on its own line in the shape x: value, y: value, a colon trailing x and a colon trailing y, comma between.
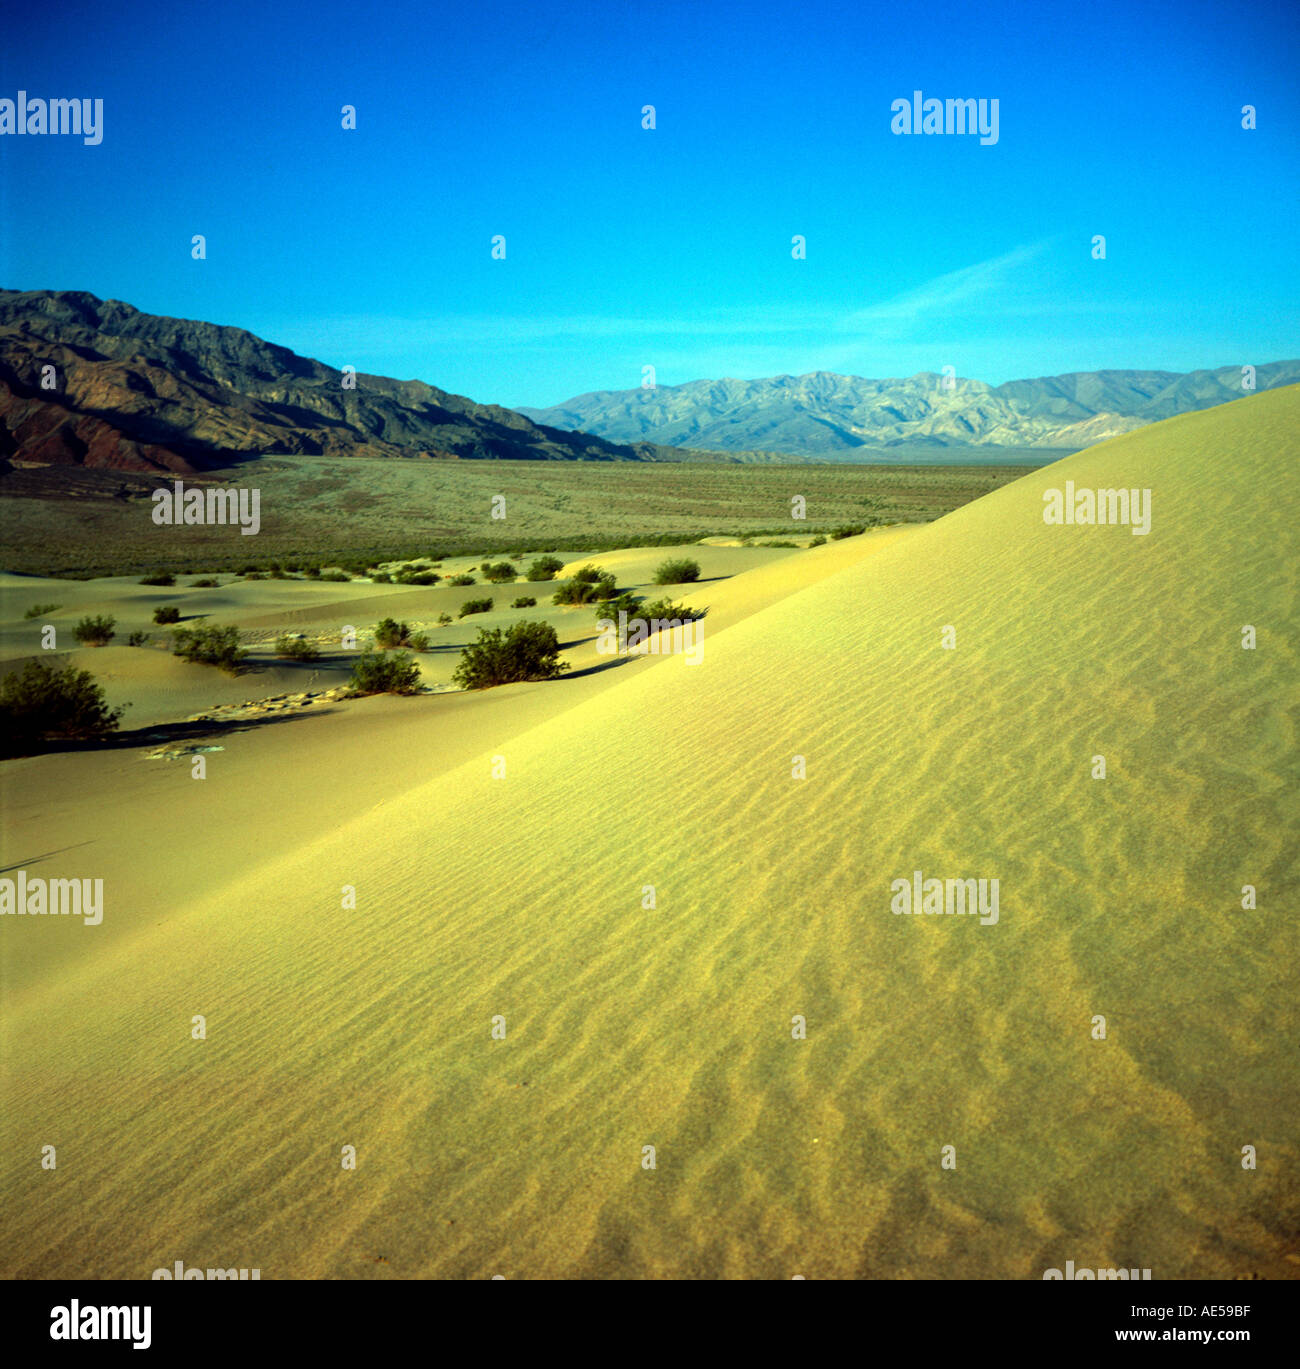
x: 671, y: 248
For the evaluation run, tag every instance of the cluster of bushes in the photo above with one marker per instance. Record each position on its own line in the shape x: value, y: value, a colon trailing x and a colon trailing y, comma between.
x: 40, y: 705
x: 544, y: 568
x: 847, y: 530
x: 680, y: 572
x: 499, y: 572
x: 209, y: 645
x: 411, y: 575
x: 474, y: 606
x: 524, y: 651
x: 38, y: 610
x: 663, y: 609
x: 382, y: 672
x: 137, y: 639
x: 389, y: 633
x: 336, y: 577
x: 461, y: 580
x: 164, y: 578
x: 524, y: 601
x: 586, y: 586
x: 97, y: 631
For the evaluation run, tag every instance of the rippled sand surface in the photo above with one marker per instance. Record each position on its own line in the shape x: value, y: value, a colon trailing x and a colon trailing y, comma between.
x: 629, y: 1026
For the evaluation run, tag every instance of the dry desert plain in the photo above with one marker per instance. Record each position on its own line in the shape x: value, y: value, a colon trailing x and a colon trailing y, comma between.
x: 522, y: 897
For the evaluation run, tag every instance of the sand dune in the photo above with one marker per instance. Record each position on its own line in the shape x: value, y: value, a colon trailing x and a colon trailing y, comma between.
x: 670, y: 1026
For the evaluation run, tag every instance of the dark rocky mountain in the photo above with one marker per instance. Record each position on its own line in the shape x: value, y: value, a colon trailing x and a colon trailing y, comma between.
x: 835, y: 417
x: 139, y: 392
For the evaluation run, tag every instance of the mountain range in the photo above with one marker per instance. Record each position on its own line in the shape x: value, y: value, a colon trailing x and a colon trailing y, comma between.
x: 132, y: 391
x: 838, y: 417
x: 91, y: 383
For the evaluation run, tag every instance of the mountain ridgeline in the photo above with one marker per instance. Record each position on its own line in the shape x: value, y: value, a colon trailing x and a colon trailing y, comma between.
x: 138, y: 392
x: 835, y: 417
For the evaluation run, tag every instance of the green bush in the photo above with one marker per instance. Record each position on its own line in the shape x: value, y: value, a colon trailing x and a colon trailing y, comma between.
x: 209, y: 645
x: 500, y: 573
x: 164, y: 578
x: 420, y: 642
x: 95, y: 631
x: 778, y: 544
x: 524, y: 651
x: 444, y: 619
x: 167, y: 613
x: 544, y: 568
x: 418, y: 577
x: 312, y: 573
x: 37, y: 610
x: 295, y: 649
x: 680, y: 572
x: 524, y: 601
x: 381, y: 577
x: 663, y: 609
x: 336, y: 577
x: 205, y: 584
x: 377, y: 672
x: 390, y: 633
x: 39, y: 704
x: 586, y: 588
x: 461, y: 580
x: 818, y: 541
x: 474, y: 606
x: 137, y: 639
x: 848, y: 530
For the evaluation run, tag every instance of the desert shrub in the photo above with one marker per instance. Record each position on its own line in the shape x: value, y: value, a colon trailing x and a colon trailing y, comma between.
x: 575, y: 592
x: 818, y: 541
x: 544, y: 568
x: 381, y: 577
x: 663, y: 609
x: 39, y: 704
x: 166, y: 613
x: 524, y: 651
x: 209, y: 645
x: 599, y: 585
x: 137, y: 639
x: 524, y: 601
x: 474, y: 606
x: 420, y: 642
x: 586, y: 575
x: 499, y: 573
x: 205, y: 584
x: 312, y: 573
x: 258, y: 575
x: 778, y: 544
x: 418, y: 577
x: 376, y: 672
x: 444, y: 619
x: 336, y: 577
x: 848, y: 530
x: 163, y: 578
x: 291, y: 648
x: 275, y: 571
x: 37, y: 610
x: 390, y: 633
x: 461, y: 580
x: 678, y: 572
x: 95, y: 631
